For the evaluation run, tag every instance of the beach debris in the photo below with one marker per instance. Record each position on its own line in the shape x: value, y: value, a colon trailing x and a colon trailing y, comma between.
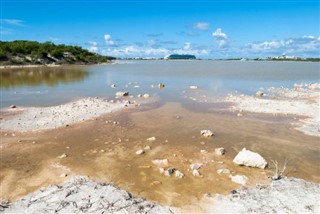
x: 196, y: 173
x: 220, y: 151
x: 160, y: 162
x: 64, y: 155
x: 178, y: 174
x: 146, y: 95
x: 151, y: 139
x: 196, y: 166
x: 113, y: 86
x: 122, y: 94
x: 223, y: 171
x: 206, y: 133
x: 161, y: 85
x: 193, y: 87
x: 169, y: 171
x: 239, y: 179
x: 140, y: 152
x: 13, y: 106
x: 259, y: 94
x: 251, y: 159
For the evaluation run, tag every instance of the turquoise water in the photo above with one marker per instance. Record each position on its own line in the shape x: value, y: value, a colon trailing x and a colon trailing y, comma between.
x: 53, y: 86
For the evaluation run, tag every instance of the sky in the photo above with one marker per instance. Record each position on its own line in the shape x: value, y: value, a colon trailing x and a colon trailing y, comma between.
x: 208, y: 29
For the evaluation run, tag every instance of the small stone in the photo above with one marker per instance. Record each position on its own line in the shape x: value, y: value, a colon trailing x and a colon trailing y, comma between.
x: 146, y: 95
x: 196, y: 166
x: 151, y: 139
x: 13, y: 106
x: 193, y: 87
x: 259, y: 94
x: 160, y: 162
x: 203, y: 151
x: 169, y: 171
x: 161, y: 170
x: 102, y: 150
x: 63, y: 175
x: 223, y: 171
x: 202, y: 143
x: 113, y: 86
x: 239, y: 179
x: 122, y: 94
x: 196, y: 173
x: 251, y: 159
x: 63, y: 156
x: 115, y: 123
x: 147, y: 148
x: 155, y: 183
x: 178, y: 174
x: 220, y: 151
x: 140, y: 152
x: 161, y: 85
x: 139, y: 95
x: 239, y: 115
x: 68, y: 147
x: 206, y: 133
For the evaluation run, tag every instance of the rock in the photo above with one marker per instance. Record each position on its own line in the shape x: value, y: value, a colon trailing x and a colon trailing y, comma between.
x: 196, y: 166
x: 193, y: 87
x: 220, y: 151
x: 239, y: 115
x: 206, y: 133
x: 140, y: 152
x: 63, y: 175
x: 203, y: 151
x: 251, y: 159
x: 239, y: 179
x: 63, y: 156
x: 122, y: 94
x: 169, y: 171
x: 13, y: 106
x: 151, y: 139
x: 179, y: 174
x: 161, y: 170
x: 160, y: 162
x: 155, y: 183
x: 113, y: 86
x: 147, y: 148
x: 146, y: 95
x: 223, y: 171
x: 139, y: 95
x: 259, y: 94
x: 161, y: 85
x: 196, y: 173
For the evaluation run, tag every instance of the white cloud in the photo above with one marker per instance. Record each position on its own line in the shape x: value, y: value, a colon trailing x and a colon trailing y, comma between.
x: 201, y: 26
x: 93, y: 43
x: 187, y: 46
x: 221, y: 38
x: 93, y: 46
x: 151, y: 43
x: 108, y: 39
x: 12, y: 22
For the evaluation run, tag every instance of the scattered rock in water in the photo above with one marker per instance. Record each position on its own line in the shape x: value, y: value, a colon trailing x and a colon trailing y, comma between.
x: 113, y: 86
x: 220, y: 151
x: 193, y: 87
x: 13, y: 106
x: 196, y: 166
x: 206, y: 133
x: 223, y: 171
x: 169, y: 171
x: 146, y: 95
x: 259, y: 94
x: 179, y: 174
x: 122, y: 94
x: 151, y: 139
x: 63, y: 156
x: 196, y: 173
x: 239, y: 179
x: 251, y: 159
x: 160, y: 162
x: 140, y: 152
x: 161, y: 85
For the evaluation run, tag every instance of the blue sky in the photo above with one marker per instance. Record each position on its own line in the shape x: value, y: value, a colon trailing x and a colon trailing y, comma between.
x: 154, y: 28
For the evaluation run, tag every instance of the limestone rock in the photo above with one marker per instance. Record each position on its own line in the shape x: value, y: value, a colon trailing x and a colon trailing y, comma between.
x: 160, y: 162
x: 239, y: 179
x: 196, y: 166
x: 146, y: 95
x: 122, y: 94
x: 251, y: 159
x: 63, y: 156
x: 140, y: 152
x: 206, y: 133
x: 220, y: 151
x: 151, y: 139
x: 179, y: 174
x: 196, y: 173
x: 223, y: 171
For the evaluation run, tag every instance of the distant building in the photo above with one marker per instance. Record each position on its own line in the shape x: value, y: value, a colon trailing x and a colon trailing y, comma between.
x: 180, y: 56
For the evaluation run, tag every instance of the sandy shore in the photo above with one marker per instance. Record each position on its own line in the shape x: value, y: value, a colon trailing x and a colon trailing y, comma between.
x: 41, y: 118
x: 302, y: 102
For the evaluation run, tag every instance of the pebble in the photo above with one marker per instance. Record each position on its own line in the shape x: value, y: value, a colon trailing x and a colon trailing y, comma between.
x: 63, y: 175
x: 13, y: 106
x: 161, y: 85
x: 161, y: 162
x: 113, y: 86
x: 220, y: 151
x: 196, y: 166
x: 196, y: 173
x: 206, y: 133
x: 223, y: 171
x: 151, y: 139
x: 193, y: 87
x: 169, y: 171
x: 179, y: 174
x: 140, y: 152
x: 63, y: 156
x: 146, y: 95
x: 147, y: 148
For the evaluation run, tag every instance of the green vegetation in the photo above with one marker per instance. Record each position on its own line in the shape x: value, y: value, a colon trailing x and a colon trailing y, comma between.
x: 22, y: 52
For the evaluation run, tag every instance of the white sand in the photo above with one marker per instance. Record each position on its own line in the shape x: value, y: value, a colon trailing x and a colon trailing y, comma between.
x: 302, y: 102
x: 41, y: 118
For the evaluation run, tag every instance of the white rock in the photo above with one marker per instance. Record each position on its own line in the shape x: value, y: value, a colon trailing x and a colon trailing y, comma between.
x: 113, y: 86
x: 122, y: 94
x: 196, y: 173
x: 140, y: 152
x: 160, y: 162
x: 193, y: 87
x: 239, y: 179
x: 161, y: 170
x: 249, y: 158
x: 139, y: 95
x: 206, y: 133
x: 178, y: 174
x: 196, y: 166
x: 223, y: 171
x: 169, y: 171
x: 147, y: 147
x: 259, y: 94
x: 151, y: 139
x: 63, y: 156
x: 220, y: 151
x: 146, y: 95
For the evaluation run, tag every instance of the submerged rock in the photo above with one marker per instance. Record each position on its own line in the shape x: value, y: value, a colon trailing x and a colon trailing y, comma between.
x: 251, y: 159
x: 146, y: 95
x: 206, y: 133
x: 63, y: 156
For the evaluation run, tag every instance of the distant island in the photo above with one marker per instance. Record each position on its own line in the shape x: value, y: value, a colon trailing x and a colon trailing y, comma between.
x: 180, y: 56
x: 23, y: 52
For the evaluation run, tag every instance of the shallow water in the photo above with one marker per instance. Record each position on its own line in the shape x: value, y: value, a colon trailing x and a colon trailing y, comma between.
x: 106, y: 151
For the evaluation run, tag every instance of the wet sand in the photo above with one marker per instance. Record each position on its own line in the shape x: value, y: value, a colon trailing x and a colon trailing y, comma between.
x: 106, y: 151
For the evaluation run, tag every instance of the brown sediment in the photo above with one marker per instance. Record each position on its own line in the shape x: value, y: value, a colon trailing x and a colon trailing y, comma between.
x: 106, y: 151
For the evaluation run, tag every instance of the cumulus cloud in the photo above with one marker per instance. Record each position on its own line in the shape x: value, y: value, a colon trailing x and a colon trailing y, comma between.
x: 221, y: 38
x: 93, y: 46
x: 296, y: 45
x: 12, y: 22
x: 108, y: 39
x: 187, y: 46
x: 201, y: 26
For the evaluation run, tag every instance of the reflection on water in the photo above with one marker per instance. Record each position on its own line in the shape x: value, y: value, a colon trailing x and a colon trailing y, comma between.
x: 13, y: 78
